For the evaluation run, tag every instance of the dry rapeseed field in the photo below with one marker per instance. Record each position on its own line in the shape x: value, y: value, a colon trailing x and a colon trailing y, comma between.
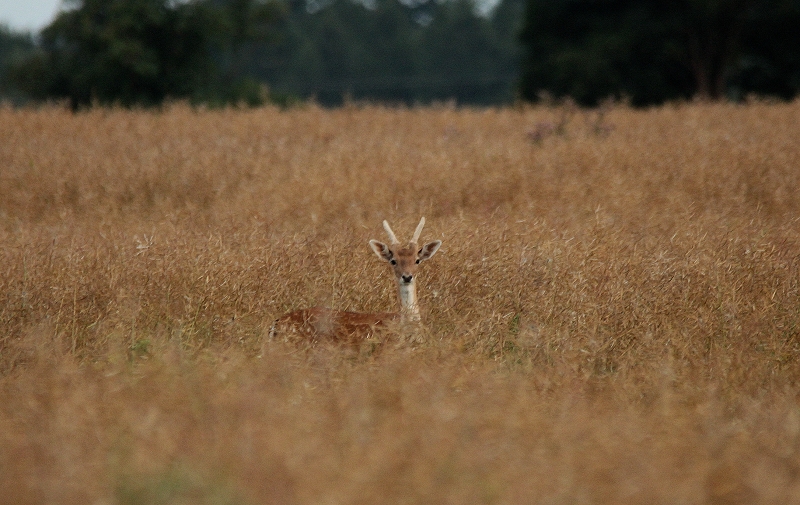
x: 614, y: 315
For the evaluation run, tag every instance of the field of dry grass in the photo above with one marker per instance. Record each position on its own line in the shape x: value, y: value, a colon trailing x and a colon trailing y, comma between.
x: 614, y: 315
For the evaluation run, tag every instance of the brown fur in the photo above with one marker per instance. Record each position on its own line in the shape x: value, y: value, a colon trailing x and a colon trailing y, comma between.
x: 336, y: 326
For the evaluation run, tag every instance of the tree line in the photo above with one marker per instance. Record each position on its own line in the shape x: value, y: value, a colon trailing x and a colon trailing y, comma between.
x: 217, y: 52
x: 142, y: 52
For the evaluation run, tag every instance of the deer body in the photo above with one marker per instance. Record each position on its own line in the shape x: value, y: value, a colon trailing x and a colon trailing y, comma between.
x: 325, y: 324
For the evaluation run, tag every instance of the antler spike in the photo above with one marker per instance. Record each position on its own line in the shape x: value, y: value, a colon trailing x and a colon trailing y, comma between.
x: 418, y: 231
x: 389, y: 231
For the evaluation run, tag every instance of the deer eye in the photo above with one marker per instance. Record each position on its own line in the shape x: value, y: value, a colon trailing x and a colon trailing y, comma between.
x: 417, y: 261
x: 393, y: 262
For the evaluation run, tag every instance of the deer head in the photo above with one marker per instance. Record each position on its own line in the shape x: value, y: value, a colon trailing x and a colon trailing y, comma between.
x: 405, y: 262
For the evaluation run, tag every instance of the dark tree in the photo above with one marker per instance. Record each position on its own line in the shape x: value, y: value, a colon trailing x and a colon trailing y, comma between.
x: 15, y: 47
x: 708, y: 37
x: 123, y: 51
x: 141, y: 52
x: 593, y: 49
x: 656, y: 50
x: 770, y: 60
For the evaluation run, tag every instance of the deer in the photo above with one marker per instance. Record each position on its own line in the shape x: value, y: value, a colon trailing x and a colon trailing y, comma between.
x: 324, y: 324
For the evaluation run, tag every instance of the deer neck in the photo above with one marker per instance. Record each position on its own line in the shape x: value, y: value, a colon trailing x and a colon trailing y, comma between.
x: 407, y: 292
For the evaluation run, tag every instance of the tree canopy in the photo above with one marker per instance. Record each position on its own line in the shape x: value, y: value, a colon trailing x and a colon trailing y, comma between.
x: 14, y: 48
x: 656, y: 50
x: 136, y: 52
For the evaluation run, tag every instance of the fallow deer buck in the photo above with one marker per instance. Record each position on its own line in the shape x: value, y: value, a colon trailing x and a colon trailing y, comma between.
x: 328, y: 325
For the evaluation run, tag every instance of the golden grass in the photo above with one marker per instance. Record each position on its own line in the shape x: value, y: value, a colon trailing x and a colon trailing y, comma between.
x: 614, y: 316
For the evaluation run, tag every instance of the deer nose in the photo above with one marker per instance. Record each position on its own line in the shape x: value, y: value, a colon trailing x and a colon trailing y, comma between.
x: 407, y: 278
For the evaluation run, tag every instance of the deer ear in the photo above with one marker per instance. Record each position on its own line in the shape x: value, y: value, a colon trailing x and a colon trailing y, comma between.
x: 428, y: 250
x: 381, y: 249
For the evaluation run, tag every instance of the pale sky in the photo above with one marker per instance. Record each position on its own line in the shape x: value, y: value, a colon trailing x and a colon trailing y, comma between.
x: 30, y: 15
